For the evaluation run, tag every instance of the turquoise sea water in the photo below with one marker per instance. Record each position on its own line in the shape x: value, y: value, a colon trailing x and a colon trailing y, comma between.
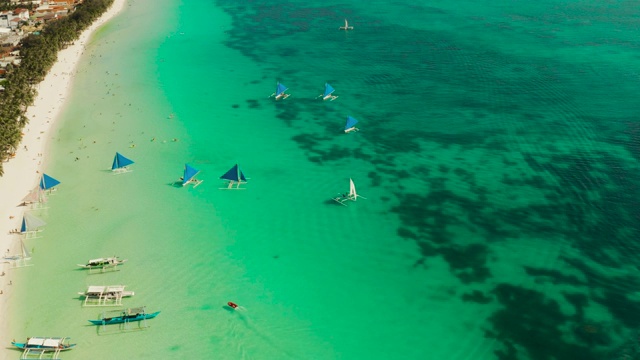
x: 498, y: 155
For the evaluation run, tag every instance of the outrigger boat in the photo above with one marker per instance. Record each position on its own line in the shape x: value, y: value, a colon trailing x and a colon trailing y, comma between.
x: 350, y: 125
x: 346, y: 26
x: 47, y: 183
x: 125, y: 316
x: 105, y: 295
x: 120, y: 164
x: 19, y: 260
x: 352, y: 195
x: 280, y: 92
x: 235, y: 177
x: 38, y: 346
x: 189, y: 176
x: 328, y: 93
x: 103, y: 264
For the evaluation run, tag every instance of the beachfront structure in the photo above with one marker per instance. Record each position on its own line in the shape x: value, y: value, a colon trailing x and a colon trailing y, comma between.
x: 120, y: 164
x: 105, y: 295
x: 235, y: 177
x: 11, y: 19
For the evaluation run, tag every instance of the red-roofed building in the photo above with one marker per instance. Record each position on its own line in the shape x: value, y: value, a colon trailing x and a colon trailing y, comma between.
x: 22, y: 14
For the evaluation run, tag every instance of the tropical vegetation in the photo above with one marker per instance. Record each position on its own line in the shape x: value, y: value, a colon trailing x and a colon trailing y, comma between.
x: 38, y: 53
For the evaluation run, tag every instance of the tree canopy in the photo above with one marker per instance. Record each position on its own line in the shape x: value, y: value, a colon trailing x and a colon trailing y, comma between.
x: 38, y: 54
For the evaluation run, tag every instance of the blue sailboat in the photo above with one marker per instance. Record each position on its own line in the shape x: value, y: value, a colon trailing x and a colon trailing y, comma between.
x: 350, y: 125
x: 280, y: 92
x: 235, y: 177
x: 328, y: 91
x: 47, y: 182
x: 189, y: 176
x: 120, y: 164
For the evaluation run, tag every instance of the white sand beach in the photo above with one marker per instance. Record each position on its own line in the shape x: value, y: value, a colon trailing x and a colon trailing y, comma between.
x: 22, y: 173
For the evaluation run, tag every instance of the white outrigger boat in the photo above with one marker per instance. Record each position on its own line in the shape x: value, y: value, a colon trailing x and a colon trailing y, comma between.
x: 105, y: 295
x: 346, y: 26
x: 37, y: 347
x: 352, y: 195
x: 103, y: 264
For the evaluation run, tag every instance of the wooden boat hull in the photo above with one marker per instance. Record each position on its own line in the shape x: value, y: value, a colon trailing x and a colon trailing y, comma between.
x: 123, y: 319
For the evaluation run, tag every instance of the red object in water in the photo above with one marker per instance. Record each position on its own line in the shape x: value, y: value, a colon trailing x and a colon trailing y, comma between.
x: 232, y: 305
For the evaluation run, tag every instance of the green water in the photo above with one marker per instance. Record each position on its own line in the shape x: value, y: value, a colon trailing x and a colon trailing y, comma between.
x: 497, y: 155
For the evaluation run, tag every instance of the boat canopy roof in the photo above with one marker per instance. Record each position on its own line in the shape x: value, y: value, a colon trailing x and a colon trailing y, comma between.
x: 40, y: 341
x: 136, y: 310
x: 96, y: 289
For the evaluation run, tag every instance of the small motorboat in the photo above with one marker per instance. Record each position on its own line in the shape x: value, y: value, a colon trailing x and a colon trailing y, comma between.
x: 232, y: 305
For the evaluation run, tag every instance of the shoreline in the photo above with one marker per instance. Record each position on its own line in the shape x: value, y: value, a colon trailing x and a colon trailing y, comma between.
x: 22, y: 173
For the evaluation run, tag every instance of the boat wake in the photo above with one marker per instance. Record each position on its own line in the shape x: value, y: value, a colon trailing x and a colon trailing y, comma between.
x: 263, y: 334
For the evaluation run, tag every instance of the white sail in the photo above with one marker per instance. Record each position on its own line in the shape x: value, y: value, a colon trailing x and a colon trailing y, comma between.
x: 352, y: 190
x: 26, y: 255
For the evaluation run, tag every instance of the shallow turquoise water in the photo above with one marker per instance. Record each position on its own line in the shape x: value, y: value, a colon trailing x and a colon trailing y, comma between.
x: 497, y: 153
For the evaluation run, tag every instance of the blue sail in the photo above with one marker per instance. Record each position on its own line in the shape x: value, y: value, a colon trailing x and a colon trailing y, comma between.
x: 351, y: 122
x: 328, y: 90
x: 189, y: 173
x: 234, y: 174
x: 120, y: 161
x: 280, y: 89
x: 47, y: 182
